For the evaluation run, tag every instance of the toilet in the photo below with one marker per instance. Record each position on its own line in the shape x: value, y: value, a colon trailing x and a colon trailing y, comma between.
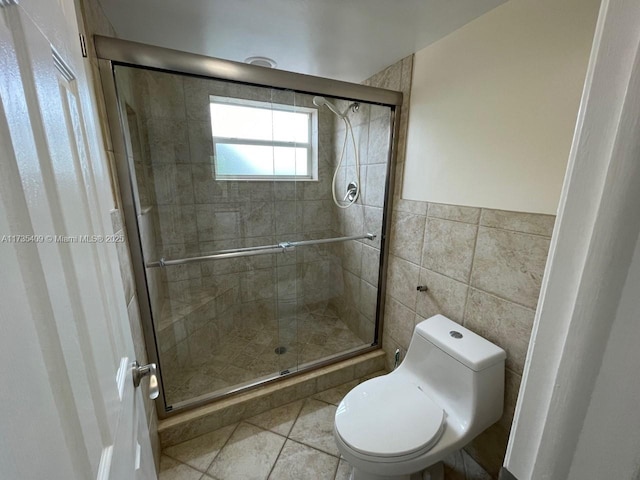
x: 448, y: 389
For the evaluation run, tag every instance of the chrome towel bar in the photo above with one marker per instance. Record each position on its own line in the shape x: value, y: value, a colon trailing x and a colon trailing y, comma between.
x: 281, y: 247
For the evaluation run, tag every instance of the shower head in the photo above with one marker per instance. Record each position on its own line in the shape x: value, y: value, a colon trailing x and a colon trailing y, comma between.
x: 320, y: 101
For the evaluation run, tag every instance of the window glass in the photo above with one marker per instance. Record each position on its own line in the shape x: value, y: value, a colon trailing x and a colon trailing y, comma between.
x: 261, y: 140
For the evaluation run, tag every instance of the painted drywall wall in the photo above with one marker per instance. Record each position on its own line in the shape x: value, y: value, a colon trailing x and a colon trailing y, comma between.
x: 494, y: 104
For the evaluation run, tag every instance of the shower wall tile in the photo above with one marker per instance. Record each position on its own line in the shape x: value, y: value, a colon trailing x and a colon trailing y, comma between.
x: 373, y: 224
x: 352, y: 257
x: 177, y: 224
x: 257, y: 219
x: 168, y: 140
x: 370, y: 264
x: 173, y: 184
x: 378, y: 148
x: 368, y: 300
x: 374, y: 185
x: 317, y: 215
x: 200, y: 142
x: 448, y: 248
x: 168, y: 96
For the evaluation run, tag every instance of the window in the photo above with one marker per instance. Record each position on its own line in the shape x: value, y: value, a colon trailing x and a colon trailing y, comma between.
x: 263, y: 141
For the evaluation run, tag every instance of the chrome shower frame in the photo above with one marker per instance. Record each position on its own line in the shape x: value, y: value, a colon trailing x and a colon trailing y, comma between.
x: 111, y: 52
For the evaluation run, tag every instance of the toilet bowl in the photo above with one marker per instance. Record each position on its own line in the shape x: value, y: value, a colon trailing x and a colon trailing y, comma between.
x: 448, y: 389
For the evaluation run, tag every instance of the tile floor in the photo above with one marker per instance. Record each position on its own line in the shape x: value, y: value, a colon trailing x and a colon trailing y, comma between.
x: 292, y: 442
x: 246, y: 354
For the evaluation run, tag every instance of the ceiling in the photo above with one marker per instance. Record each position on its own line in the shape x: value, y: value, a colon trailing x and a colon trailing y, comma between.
x: 342, y: 39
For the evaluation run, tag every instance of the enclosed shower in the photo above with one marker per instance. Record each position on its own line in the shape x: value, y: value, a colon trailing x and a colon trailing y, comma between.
x: 256, y: 208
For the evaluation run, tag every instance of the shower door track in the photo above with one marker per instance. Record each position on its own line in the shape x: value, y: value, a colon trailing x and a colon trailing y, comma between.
x: 282, y: 247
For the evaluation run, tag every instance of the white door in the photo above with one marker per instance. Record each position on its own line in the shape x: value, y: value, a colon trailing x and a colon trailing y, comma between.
x: 68, y: 407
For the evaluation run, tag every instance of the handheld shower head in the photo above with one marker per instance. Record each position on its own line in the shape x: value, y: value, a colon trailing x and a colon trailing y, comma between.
x: 320, y: 101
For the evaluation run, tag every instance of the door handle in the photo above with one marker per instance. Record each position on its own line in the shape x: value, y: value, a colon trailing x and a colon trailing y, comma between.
x: 150, y: 370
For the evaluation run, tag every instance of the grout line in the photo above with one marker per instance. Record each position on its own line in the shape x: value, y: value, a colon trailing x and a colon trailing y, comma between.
x: 222, y: 447
x: 473, y: 259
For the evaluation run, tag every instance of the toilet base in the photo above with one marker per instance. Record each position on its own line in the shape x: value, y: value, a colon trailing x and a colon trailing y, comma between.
x: 434, y: 472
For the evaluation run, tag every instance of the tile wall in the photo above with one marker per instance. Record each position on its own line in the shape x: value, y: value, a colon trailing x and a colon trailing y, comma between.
x: 483, y: 269
x: 360, y: 260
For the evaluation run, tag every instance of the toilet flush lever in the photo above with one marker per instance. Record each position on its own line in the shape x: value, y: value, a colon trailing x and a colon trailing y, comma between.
x: 150, y: 370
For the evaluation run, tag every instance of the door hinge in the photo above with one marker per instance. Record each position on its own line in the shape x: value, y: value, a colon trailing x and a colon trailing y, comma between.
x: 83, y: 46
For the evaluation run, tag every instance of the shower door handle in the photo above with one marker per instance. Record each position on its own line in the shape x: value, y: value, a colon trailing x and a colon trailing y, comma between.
x: 150, y: 370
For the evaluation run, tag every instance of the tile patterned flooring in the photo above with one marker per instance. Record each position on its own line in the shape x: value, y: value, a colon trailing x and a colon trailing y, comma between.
x: 292, y: 442
x: 246, y: 354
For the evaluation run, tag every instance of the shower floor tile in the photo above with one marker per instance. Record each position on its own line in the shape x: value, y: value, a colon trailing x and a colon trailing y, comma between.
x: 247, y: 354
x: 291, y: 442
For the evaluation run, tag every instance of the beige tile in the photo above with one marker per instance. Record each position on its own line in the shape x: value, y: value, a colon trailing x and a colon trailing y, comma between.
x: 410, y: 206
x: 370, y: 366
x: 370, y: 265
x: 399, y: 321
x: 407, y: 233
x: 454, y: 212
x: 501, y: 322
x: 368, y: 300
x: 344, y: 470
x: 535, y: 223
x: 373, y: 224
x: 510, y: 265
x: 278, y: 420
x: 352, y: 257
x: 250, y: 453
x: 448, y: 248
x: 297, y: 462
x: 337, y: 377
x: 314, y: 426
x: 378, y: 149
x: 171, y: 469
x: 199, y: 452
x: 374, y: 188
x: 444, y: 296
x: 335, y: 395
x: 402, y: 280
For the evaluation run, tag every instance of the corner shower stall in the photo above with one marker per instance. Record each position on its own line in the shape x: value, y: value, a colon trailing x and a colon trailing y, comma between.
x: 255, y: 204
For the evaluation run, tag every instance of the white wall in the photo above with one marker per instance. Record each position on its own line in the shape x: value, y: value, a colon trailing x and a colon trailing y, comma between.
x: 613, y: 411
x: 494, y: 104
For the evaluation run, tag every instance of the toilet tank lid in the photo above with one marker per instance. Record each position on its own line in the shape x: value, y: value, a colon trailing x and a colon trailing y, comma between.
x: 468, y: 348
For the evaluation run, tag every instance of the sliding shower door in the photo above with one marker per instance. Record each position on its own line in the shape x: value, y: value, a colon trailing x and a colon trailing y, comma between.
x: 253, y: 270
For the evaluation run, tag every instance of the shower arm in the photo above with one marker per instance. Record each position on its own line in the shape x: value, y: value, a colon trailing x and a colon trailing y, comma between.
x: 281, y: 247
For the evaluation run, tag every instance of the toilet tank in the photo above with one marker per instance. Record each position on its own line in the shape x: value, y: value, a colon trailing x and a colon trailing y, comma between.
x: 462, y: 371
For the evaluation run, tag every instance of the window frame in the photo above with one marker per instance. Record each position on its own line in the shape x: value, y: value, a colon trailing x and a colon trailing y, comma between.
x: 311, y: 146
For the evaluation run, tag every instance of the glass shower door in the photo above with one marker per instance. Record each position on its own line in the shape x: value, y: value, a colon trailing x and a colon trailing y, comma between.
x: 248, y: 272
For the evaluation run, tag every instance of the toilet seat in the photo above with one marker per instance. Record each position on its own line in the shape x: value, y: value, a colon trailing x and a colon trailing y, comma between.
x: 389, y: 417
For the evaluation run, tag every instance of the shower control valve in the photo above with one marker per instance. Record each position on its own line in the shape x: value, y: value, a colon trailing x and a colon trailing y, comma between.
x: 352, y: 192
